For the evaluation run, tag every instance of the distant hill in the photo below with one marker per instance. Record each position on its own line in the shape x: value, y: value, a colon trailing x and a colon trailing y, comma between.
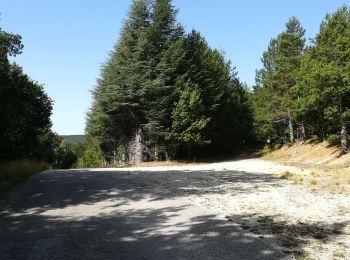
x: 74, y: 139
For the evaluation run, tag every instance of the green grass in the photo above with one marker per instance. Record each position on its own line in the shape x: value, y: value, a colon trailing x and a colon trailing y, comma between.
x: 12, y: 173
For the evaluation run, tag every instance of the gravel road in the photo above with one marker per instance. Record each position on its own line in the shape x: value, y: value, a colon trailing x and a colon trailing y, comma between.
x: 231, y: 210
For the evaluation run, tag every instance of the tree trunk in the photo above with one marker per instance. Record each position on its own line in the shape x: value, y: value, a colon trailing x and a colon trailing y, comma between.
x: 103, y: 161
x: 138, y: 146
x: 114, y: 157
x: 290, y: 126
x: 122, y: 158
x: 303, y: 133
x: 344, y: 141
x: 130, y: 152
x: 156, y: 154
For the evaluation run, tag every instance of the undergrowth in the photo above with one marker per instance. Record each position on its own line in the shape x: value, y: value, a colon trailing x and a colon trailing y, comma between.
x: 12, y: 173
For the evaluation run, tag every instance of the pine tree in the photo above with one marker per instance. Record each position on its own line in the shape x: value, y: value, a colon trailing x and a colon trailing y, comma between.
x: 155, y: 77
x: 116, y: 113
x: 221, y: 95
x: 157, y: 91
x: 324, y: 78
x: 189, y: 119
x: 281, y: 63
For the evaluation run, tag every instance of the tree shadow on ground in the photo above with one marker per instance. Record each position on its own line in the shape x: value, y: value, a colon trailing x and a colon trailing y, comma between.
x: 292, y: 237
x: 128, y: 215
x: 58, y: 189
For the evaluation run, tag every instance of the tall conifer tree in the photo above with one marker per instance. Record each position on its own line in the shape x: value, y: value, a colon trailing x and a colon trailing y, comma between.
x: 276, y: 80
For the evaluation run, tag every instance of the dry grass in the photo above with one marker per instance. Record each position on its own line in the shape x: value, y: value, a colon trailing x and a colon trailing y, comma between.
x: 296, y: 178
x: 15, y: 172
x: 324, y: 168
x: 287, y: 175
x: 339, y: 254
x: 336, y: 180
x: 312, y: 181
x: 306, y: 153
x: 331, y: 180
x: 314, y: 174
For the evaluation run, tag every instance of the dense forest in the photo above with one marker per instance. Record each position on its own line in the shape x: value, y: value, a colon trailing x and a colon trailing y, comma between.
x: 25, y: 110
x: 303, y: 91
x: 165, y: 94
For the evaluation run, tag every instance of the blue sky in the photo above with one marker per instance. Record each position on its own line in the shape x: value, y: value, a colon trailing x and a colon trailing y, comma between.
x: 66, y: 41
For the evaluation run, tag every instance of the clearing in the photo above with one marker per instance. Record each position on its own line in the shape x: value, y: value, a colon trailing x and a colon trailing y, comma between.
x: 244, y: 209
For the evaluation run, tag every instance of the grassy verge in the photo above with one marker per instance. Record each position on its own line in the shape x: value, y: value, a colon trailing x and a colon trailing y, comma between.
x: 335, y: 180
x: 12, y: 173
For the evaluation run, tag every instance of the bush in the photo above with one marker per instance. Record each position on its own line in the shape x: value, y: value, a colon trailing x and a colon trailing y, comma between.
x: 67, y: 160
x: 91, y: 158
x: 334, y: 139
x: 65, y: 156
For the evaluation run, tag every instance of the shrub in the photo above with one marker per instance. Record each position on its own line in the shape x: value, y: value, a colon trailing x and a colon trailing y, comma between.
x: 91, y: 158
x: 334, y: 139
x: 287, y: 175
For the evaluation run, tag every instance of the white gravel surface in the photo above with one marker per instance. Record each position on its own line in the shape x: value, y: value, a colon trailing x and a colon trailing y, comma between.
x: 231, y: 210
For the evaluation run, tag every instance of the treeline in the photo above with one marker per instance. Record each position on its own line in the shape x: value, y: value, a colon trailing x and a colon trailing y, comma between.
x: 165, y: 94
x: 25, y: 110
x: 303, y: 91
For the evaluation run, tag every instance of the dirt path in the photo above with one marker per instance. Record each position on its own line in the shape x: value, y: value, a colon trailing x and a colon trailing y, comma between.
x: 230, y: 210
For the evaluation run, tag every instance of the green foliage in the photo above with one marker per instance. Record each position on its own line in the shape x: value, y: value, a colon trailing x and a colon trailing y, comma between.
x: 25, y: 109
x: 65, y: 156
x: 222, y: 95
x: 10, y: 44
x: 314, y: 86
x: 171, y: 86
x: 117, y: 112
x: 334, y: 139
x: 189, y: 117
x: 88, y: 154
x: 91, y: 158
x: 323, y: 80
x: 274, y: 99
x: 178, y: 97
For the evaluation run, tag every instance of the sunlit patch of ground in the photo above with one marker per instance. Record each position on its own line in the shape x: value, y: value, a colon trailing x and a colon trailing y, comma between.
x: 274, y: 208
